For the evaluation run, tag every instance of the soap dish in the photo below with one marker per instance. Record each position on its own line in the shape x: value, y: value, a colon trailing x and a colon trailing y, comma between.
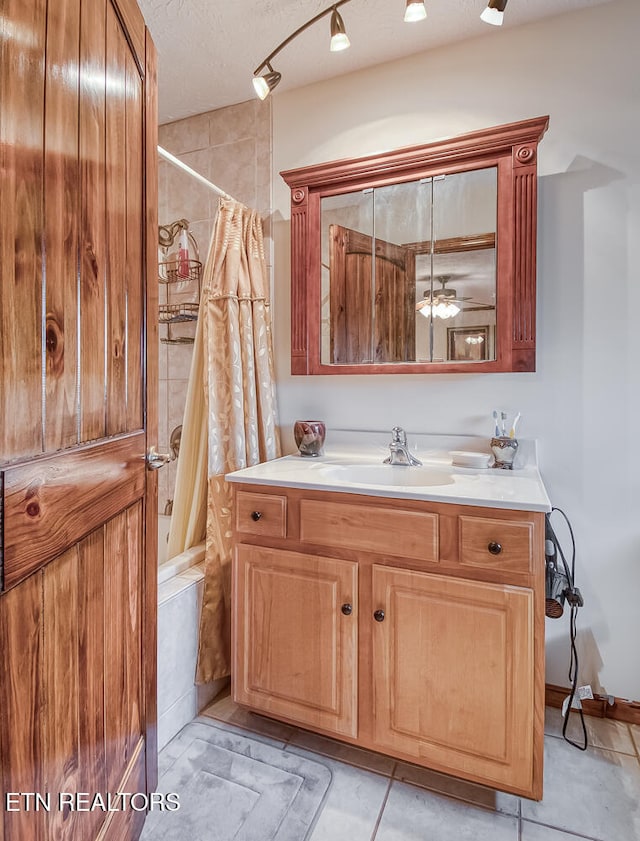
x: 477, y: 460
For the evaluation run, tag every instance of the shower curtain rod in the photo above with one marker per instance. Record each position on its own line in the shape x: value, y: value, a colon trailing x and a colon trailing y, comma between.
x: 177, y: 162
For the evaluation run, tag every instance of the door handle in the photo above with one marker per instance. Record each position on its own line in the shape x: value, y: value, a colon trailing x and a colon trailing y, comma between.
x: 156, y: 460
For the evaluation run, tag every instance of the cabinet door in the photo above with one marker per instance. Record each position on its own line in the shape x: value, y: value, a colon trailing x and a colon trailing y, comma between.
x: 296, y: 637
x: 453, y: 675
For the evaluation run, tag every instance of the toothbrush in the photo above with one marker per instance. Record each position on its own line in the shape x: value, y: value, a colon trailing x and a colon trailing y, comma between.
x: 503, y: 417
x: 495, y: 417
x: 512, y: 431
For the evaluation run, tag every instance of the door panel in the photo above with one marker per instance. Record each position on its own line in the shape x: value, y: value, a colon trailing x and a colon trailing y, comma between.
x: 21, y: 701
x: 296, y: 649
x: 116, y: 154
x: 61, y: 226
x: 92, y: 631
x: 21, y: 168
x: 134, y: 157
x: 89, y: 483
x: 78, y: 510
x: 122, y: 668
x: 453, y: 674
x: 365, y: 326
x: 93, y: 221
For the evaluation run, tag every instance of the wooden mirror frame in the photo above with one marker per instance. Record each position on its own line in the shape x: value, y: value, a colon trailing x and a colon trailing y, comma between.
x: 512, y: 149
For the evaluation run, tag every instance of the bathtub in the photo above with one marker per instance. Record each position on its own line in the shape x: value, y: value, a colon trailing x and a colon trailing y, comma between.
x: 180, y: 589
x: 168, y: 568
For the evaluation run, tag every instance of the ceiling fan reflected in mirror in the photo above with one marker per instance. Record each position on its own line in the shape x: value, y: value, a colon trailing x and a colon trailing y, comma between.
x: 443, y: 303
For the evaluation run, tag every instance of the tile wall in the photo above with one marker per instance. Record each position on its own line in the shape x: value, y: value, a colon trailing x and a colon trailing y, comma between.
x: 231, y: 147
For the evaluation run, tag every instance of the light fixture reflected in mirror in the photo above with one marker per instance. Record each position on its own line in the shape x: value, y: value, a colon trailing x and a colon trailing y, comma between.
x: 439, y: 309
x: 442, y: 303
x: 415, y: 11
x: 339, y: 38
x: 494, y: 13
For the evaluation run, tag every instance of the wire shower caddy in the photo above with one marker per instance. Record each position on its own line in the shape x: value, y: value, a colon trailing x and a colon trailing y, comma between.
x: 174, y: 272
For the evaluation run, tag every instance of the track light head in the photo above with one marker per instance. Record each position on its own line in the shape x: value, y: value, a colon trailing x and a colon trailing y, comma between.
x: 415, y: 11
x: 263, y: 85
x: 494, y: 13
x: 339, y: 39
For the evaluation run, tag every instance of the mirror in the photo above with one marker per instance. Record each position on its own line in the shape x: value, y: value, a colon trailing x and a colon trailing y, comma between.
x: 396, y: 301
x: 419, y: 260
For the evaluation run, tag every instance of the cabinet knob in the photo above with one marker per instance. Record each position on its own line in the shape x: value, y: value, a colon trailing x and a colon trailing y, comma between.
x: 378, y: 615
x: 347, y: 609
x: 255, y: 516
x: 495, y: 548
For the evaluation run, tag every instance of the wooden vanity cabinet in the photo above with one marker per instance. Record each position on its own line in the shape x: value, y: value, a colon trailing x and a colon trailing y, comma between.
x: 412, y: 628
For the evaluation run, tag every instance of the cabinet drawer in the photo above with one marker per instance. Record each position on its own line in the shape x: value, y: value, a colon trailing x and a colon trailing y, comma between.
x: 411, y: 534
x: 503, y: 544
x: 264, y: 514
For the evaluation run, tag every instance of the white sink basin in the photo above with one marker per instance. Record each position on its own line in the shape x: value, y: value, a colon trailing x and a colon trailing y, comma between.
x: 385, y: 474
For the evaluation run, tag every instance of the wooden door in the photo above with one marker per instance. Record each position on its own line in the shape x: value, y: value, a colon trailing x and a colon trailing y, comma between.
x: 296, y: 637
x: 453, y: 675
x: 368, y: 325
x: 78, y: 406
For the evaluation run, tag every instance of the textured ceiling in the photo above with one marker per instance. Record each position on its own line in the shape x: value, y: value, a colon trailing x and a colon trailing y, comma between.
x: 208, y: 49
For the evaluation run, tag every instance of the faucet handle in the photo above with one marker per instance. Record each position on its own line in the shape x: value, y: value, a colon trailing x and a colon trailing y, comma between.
x: 399, y: 436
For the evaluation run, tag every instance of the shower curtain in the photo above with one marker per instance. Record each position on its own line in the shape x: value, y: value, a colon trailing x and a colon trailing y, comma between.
x: 230, y: 417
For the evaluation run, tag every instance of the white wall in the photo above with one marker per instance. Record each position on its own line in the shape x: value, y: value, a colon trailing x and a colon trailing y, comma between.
x: 582, y: 404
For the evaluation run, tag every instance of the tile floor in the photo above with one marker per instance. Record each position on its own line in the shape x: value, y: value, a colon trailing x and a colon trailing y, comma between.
x: 591, y: 795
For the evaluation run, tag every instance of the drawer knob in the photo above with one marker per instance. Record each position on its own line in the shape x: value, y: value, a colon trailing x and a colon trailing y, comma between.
x: 347, y: 609
x: 495, y: 548
x: 378, y: 615
x: 255, y: 516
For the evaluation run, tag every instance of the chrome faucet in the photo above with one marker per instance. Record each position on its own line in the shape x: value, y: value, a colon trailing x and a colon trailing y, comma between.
x: 400, y: 450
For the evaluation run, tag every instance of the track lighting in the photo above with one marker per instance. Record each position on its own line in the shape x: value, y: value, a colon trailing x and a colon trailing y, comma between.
x: 339, y: 39
x: 415, y: 11
x: 263, y: 85
x: 265, y: 78
x: 494, y: 13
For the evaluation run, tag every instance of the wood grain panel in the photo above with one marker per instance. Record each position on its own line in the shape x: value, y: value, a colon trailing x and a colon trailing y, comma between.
x: 271, y: 508
x: 299, y: 259
x: 512, y: 149
x: 92, y: 220
x: 134, y: 26
x: 151, y: 413
x: 21, y: 171
x: 134, y: 157
x: 410, y: 534
x: 116, y: 196
x: 21, y: 702
x: 122, y: 667
x: 467, y: 647
x: 524, y: 298
x: 514, y: 538
x: 127, y: 825
x: 61, y: 223
x: 61, y: 758
x: 89, y: 484
x: 296, y: 651
x: 389, y: 166
x: 91, y: 618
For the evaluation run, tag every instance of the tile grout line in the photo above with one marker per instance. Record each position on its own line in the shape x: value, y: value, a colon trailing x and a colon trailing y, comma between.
x: 382, y: 807
x: 566, y: 831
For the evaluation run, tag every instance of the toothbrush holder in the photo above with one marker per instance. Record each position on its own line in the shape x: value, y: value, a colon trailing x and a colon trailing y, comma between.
x: 504, y: 450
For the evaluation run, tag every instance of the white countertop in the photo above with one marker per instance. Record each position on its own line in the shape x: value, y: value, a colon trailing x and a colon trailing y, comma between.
x: 340, y: 470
